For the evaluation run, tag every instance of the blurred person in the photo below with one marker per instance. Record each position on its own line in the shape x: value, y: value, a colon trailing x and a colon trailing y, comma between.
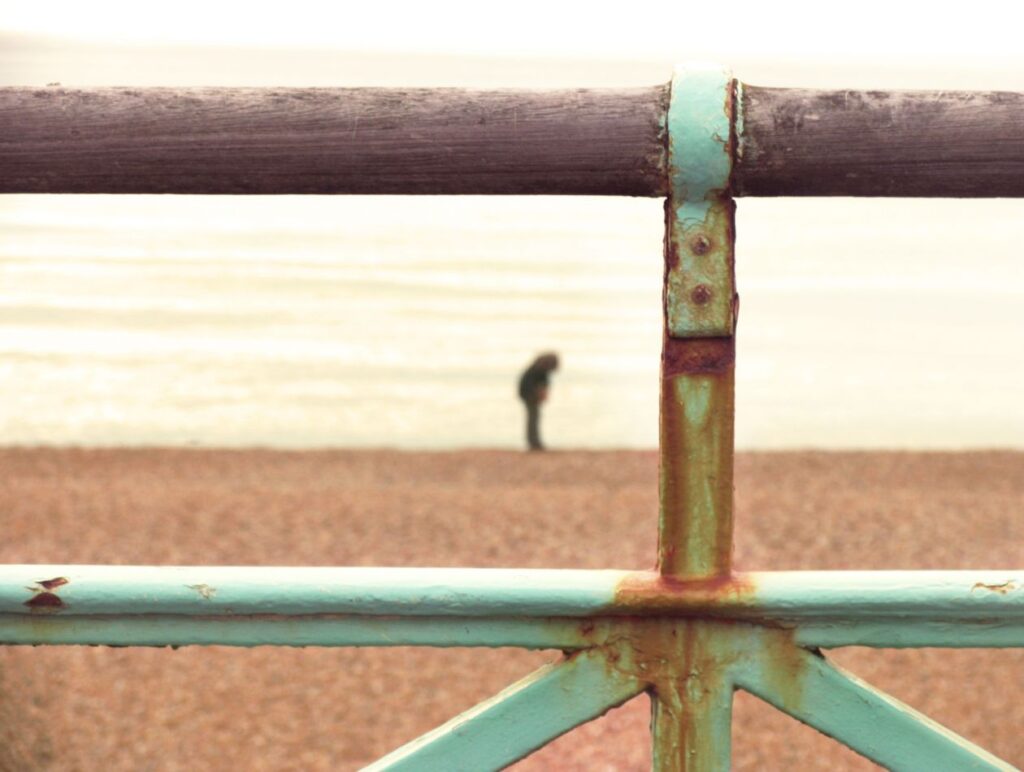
x: 533, y: 390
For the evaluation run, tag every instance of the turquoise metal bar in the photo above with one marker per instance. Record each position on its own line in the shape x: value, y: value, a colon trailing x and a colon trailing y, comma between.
x: 858, y: 715
x: 564, y: 634
x: 270, y: 590
x: 771, y: 596
x: 902, y: 633
x: 520, y: 719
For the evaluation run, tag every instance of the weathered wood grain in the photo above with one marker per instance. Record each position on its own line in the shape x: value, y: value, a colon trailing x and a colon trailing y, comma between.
x: 800, y: 142
x: 215, y: 140
x: 795, y: 142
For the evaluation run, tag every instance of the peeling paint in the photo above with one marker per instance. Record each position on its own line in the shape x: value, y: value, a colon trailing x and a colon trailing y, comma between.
x: 1002, y: 588
x: 203, y: 589
x: 44, y: 597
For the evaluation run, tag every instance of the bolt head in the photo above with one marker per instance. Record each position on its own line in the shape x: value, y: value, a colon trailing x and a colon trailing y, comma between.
x: 700, y: 245
x: 701, y: 295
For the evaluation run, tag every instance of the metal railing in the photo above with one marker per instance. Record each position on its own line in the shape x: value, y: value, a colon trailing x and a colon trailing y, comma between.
x: 688, y: 634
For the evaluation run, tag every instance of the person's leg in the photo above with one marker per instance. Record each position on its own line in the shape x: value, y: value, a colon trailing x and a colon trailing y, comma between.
x: 533, y: 426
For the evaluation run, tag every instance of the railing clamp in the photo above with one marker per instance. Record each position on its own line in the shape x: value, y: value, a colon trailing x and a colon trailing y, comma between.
x: 700, y: 282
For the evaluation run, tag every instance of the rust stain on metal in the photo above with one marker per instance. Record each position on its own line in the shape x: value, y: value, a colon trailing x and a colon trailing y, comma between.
x: 45, y: 601
x: 700, y: 252
x: 785, y: 666
x: 696, y: 461
x: 1001, y: 588
x: 648, y: 592
x: 682, y: 356
x: 700, y: 245
x: 670, y: 249
x: 44, y: 598
x: 687, y: 696
x: 691, y: 666
x: 701, y: 295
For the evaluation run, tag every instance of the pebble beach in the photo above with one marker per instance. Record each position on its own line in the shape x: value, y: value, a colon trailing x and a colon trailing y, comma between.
x: 218, y: 708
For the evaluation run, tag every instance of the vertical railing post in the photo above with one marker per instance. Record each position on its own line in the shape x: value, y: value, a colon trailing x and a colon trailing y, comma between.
x: 697, y: 387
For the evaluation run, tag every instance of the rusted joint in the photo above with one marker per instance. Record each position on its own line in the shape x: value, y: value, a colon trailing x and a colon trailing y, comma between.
x: 649, y: 593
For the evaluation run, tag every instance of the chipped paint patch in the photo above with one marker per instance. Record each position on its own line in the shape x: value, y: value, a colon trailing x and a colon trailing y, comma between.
x: 1002, y: 588
x: 44, y: 597
x: 203, y: 589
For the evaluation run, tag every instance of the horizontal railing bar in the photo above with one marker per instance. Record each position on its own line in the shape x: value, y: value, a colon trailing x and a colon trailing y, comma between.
x: 64, y: 591
x: 903, y: 633
x: 274, y: 141
x: 792, y: 142
x: 563, y: 633
x: 954, y: 144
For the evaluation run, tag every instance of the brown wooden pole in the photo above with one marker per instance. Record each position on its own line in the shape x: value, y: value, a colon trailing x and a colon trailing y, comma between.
x: 955, y: 144
x: 794, y: 142
x: 218, y: 140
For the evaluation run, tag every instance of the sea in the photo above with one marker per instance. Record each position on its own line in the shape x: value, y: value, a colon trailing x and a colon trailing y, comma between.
x: 304, y: 321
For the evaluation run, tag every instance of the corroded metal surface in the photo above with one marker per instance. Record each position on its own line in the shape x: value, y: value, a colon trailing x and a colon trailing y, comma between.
x: 695, y: 533
x: 699, y: 277
x: 698, y: 354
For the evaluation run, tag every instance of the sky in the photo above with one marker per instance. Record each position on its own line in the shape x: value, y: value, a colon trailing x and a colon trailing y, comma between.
x: 891, y: 42
x: 540, y: 27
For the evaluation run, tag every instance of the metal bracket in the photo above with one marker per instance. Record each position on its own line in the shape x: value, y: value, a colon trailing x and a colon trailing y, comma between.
x: 700, y: 283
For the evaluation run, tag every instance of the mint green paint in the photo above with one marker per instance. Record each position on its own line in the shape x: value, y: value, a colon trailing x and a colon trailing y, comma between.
x: 699, y: 128
x: 519, y: 720
x: 301, y: 630
x: 903, y: 633
x: 700, y: 163
x: 561, y: 633
x: 840, y: 605
x: 866, y: 720
x: 269, y: 590
x: 694, y: 394
x: 873, y: 595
